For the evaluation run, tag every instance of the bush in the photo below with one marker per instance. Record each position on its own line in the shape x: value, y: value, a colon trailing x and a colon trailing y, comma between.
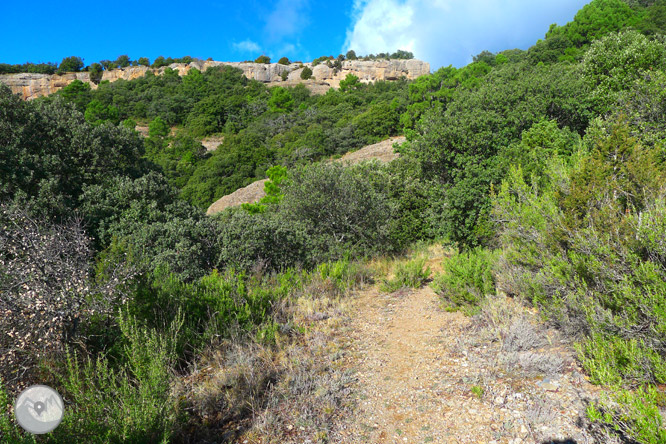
x: 341, y: 208
x: 284, y: 61
x: 45, y: 277
x: 263, y: 59
x: 467, y: 279
x: 630, y: 414
x: 344, y: 274
x: 264, y: 240
x: 586, y: 246
x: 10, y: 431
x: 306, y: 73
x: 130, y: 403
x: 612, y: 361
x: 412, y: 274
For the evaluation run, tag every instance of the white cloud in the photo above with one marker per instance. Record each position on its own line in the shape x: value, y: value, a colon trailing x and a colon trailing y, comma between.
x: 288, y: 18
x: 247, y: 46
x: 445, y: 32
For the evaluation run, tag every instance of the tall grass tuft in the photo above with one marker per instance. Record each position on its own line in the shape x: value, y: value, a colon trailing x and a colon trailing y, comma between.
x: 467, y: 279
x: 411, y: 274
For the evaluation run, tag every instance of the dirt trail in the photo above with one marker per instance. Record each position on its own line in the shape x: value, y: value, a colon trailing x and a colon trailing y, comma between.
x: 427, y: 375
x: 406, y: 343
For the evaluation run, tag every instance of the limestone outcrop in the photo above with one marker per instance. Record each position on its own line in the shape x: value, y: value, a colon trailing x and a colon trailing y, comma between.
x: 31, y: 86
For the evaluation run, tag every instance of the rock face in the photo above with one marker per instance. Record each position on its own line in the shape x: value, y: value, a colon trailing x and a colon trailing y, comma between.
x: 31, y: 86
x: 249, y: 194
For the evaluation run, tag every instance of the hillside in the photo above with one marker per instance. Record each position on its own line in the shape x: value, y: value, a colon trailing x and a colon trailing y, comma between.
x: 501, y: 279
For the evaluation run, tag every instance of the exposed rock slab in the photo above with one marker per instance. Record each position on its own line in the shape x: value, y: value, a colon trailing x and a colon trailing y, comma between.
x: 382, y: 151
x: 249, y: 194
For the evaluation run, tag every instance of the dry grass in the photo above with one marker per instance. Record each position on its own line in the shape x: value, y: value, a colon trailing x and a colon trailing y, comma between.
x: 291, y: 391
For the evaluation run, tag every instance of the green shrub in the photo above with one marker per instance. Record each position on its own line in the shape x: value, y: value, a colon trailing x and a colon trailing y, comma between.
x: 343, y: 274
x: 612, y: 361
x: 467, y: 278
x: 10, y: 431
x: 411, y: 274
x: 267, y: 240
x: 631, y: 414
x: 306, y: 73
x: 343, y: 209
x: 586, y: 246
x: 131, y: 403
x: 217, y: 305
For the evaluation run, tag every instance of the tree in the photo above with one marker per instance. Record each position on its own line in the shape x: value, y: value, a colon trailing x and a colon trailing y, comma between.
x: 143, y: 61
x: 486, y: 57
x: 70, y: 64
x: 284, y: 61
x: 158, y: 128
x: 306, y: 73
x: 615, y: 61
x: 77, y: 93
x: 351, y: 55
x: 97, y: 113
x: 281, y: 100
x: 399, y: 54
x: 108, y: 64
x: 263, y: 59
x: 159, y: 62
x: 349, y: 83
x: 274, y: 194
x: 95, y: 71
x: 123, y: 61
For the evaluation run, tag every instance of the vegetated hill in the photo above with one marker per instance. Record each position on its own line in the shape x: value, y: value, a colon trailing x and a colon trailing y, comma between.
x: 541, y: 170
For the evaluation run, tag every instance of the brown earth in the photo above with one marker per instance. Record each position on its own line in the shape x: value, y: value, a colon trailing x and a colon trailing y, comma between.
x: 212, y: 142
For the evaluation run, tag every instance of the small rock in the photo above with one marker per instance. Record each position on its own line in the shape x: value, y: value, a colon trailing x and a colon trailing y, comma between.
x: 499, y: 400
x: 549, y: 384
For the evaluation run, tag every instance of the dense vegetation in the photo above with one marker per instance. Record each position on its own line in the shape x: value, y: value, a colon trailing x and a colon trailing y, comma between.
x: 545, y: 167
x: 262, y: 127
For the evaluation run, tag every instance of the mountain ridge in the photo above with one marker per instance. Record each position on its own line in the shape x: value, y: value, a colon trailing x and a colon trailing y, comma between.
x: 33, y: 85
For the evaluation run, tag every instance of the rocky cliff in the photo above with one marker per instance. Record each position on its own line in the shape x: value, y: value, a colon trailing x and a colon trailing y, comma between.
x: 31, y: 86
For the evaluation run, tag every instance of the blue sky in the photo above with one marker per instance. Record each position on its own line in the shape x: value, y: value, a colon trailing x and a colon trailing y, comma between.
x: 441, y: 32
